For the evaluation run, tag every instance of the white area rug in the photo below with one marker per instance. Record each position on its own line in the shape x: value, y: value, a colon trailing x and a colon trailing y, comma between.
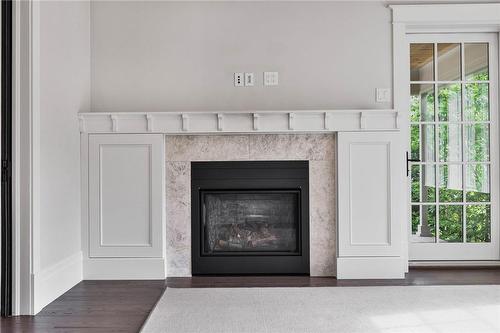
x: 341, y: 309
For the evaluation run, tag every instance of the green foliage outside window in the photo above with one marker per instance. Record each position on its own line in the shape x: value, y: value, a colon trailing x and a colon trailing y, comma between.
x: 476, y: 96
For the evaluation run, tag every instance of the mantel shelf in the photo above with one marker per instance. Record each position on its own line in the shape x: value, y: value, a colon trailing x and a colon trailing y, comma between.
x: 206, y: 122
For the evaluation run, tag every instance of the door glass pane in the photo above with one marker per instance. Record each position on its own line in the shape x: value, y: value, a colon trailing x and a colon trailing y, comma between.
x: 415, y: 183
x: 450, y: 224
x: 423, y: 224
x: 478, y: 183
x: 415, y: 141
x: 450, y: 142
x: 477, y: 141
x: 415, y: 219
x: 450, y: 102
x: 422, y: 62
x: 428, y: 143
x: 476, y: 61
x: 450, y: 183
x: 422, y: 102
x: 428, y: 183
x: 476, y: 104
x: 448, y: 62
x: 478, y: 223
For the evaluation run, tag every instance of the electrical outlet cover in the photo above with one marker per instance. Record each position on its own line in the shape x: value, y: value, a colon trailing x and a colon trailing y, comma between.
x: 239, y: 80
x: 270, y: 78
x: 383, y: 95
x: 249, y: 80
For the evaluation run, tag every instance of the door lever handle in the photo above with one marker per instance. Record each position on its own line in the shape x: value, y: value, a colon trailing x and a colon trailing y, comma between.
x: 408, y: 160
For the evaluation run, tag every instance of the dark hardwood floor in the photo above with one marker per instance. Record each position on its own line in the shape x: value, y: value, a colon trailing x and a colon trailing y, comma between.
x: 123, y: 306
x: 93, y: 306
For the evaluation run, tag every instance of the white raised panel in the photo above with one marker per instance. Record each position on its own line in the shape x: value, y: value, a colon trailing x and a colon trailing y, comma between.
x: 125, y: 195
x: 370, y: 211
x: 370, y: 190
x: 126, y: 218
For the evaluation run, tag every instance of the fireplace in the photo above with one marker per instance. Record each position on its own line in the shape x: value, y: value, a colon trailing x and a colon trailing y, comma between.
x: 250, y: 217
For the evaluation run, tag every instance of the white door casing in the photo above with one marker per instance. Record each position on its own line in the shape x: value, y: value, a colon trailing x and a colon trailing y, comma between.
x: 425, y: 19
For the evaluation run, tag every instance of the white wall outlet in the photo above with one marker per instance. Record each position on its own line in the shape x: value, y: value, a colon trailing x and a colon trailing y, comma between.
x: 383, y: 95
x: 270, y: 78
x: 239, y: 80
x: 249, y: 80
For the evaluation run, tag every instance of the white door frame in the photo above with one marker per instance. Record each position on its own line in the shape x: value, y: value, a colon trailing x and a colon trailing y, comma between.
x: 469, y: 251
x: 441, y: 18
x: 26, y: 153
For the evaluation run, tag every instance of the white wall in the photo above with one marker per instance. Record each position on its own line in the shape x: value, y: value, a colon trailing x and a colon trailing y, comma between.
x: 64, y: 91
x: 160, y: 56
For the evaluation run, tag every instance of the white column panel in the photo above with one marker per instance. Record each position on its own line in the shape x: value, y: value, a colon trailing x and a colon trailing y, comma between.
x: 370, y: 197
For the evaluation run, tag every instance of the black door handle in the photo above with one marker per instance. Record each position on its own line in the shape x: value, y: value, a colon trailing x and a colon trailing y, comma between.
x: 408, y: 160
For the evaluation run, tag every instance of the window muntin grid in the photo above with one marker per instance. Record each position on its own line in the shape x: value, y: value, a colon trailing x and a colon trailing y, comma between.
x: 443, y: 182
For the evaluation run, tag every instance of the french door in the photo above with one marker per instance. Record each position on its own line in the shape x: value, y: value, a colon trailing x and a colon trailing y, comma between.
x: 453, y: 167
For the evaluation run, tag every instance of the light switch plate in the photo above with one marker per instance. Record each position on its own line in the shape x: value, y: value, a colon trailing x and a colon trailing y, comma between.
x: 270, y: 78
x: 239, y: 80
x: 383, y: 95
x: 249, y: 80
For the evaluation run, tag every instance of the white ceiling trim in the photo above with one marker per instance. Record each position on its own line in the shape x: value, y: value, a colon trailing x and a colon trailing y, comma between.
x: 448, y: 17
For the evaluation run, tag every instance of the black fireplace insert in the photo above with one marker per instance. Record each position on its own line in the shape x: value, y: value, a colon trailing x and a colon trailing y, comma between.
x: 250, y: 217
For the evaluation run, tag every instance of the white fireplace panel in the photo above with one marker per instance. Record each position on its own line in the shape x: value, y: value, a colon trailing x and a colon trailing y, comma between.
x: 369, y: 183
x: 126, y: 219
x: 125, y: 195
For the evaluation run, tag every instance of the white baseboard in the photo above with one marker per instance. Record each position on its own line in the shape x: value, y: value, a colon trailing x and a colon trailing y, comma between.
x: 460, y: 263
x: 55, y: 280
x: 370, y: 268
x: 124, y: 269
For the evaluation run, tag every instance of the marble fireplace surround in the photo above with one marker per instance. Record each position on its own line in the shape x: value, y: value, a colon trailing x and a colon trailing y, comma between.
x: 318, y: 149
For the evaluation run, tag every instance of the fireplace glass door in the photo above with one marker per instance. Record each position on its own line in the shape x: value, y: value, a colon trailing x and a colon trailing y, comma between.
x: 250, y: 222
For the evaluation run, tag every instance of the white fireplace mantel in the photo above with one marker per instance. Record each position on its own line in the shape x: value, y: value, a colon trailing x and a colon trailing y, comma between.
x: 198, y: 122
x: 122, y: 162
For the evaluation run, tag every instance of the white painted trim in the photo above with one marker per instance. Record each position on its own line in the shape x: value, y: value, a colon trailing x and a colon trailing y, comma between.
x: 84, y: 188
x: 447, y: 17
x: 124, y: 269
x: 34, y: 126
x: 21, y: 274
x: 26, y: 153
x: 55, y: 280
x: 431, y: 18
x: 401, y: 60
x: 370, y: 268
x: 205, y: 122
x: 461, y: 263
